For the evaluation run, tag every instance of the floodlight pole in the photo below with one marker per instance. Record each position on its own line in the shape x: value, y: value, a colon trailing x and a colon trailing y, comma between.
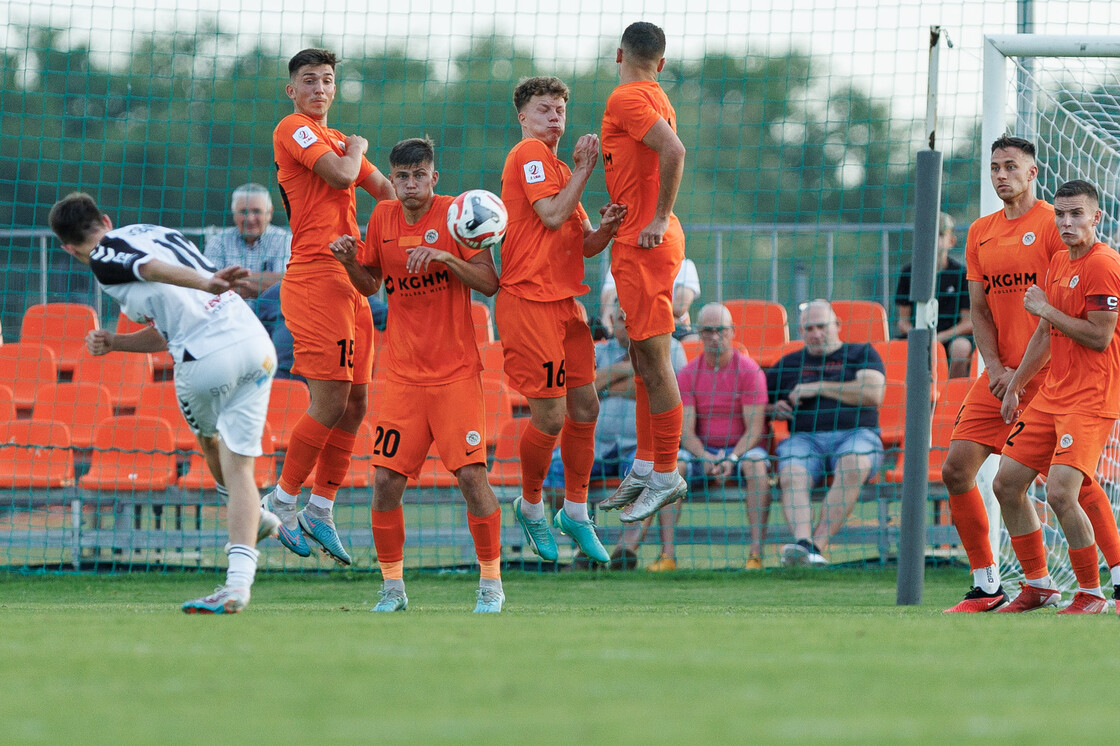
x: 919, y: 358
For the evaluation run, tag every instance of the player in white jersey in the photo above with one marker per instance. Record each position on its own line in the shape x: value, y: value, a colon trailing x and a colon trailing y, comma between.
x: 224, y: 359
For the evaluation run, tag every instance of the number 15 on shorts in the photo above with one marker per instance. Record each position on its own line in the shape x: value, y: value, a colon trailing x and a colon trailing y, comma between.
x: 345, y: 353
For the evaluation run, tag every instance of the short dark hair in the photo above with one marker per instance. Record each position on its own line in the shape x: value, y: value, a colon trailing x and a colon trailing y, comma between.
x: 542, y: 85
x: 412, y: 152
x: 311, y: 57
x: 1078, y: 188
x: 74, y: 216
x: 644, y: 40
x: 1008, y: 141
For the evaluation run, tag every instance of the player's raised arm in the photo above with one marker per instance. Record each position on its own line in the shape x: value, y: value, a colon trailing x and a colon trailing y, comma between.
x: 378, y: 186
x: 477, y: 273
x: 594, y: 241
x: 366, y: 280
x: 341, y: 171
x: 556, y: 209
x: 227, y: 278
x: 670, y: 152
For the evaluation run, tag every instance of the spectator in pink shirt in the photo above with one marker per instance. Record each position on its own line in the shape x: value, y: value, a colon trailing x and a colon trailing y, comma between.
x: 724, y: 396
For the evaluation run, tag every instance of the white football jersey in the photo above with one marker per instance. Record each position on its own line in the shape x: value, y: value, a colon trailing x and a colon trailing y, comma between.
x: 194, y: 322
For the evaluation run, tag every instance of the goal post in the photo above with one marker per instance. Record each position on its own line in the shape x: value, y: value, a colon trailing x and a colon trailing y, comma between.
x: 1063, y: 94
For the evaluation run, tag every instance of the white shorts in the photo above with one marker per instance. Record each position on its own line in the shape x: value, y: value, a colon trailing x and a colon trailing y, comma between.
x: 227, y: 392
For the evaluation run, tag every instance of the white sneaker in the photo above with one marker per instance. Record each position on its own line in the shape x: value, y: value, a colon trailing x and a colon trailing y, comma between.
x: 652, y: 499
x: 627, y: 492
x: 224, y: 600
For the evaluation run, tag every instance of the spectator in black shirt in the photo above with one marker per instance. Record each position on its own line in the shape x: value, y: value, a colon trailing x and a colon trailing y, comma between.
x: 830, y: 392
x: 954, y: 321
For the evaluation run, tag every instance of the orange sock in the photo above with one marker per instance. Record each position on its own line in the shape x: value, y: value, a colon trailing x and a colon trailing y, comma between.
x: 666, y: 427
x: 333, y: 463
x: 1031, y: 551
x: 536, y: 455
x: 308, y: 438
x: 487, y: 534
x: 1096, y: 505
x: 642, y: 421
x: 388, y: 540
x: 577, y: 451
x: 971, y: 520
x: 1084, y: 562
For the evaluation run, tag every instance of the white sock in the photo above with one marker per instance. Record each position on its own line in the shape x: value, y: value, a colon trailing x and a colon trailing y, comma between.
x: 576, y: 511
x: 1115, y: 573
x: 242, y: 566
x: 664, y: 478
x: 323, y: 503
x: 1092, y: 591
x: 986, y: 578
x: 1044, y: 582
x: 398, y: 584
x: 532, y: 511
x: 494, y: 584
x: 283, y: 499
x: 641, y: 468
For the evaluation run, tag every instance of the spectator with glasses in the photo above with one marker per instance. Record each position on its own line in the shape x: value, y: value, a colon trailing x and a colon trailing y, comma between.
x: 830, y: 392
x: 253, y: 243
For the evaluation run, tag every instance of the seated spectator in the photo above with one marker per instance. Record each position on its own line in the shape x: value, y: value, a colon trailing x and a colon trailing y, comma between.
x: 616, y: 440
x: 830, y: 392
x: 272, y: 318
x: 686, y: 289
x: 724, y: 396
x: 253, y: 243
x: 954, y: 320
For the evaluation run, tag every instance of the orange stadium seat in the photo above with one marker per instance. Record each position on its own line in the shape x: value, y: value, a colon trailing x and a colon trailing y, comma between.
x: 483, y: 322
x: 862, y: 320
x: 162, y: 362
x: 499, y: 405
x: 433, y: 473
x: 198, y: 476
x: 123, y: 373
x: 761, y: 326
x: 7, y: 403
x: 692, y: 348
x: 160, y: 400
x: 287, y: 403
x: 25, y: 367
x: 506, y: 467
x: 35, y: 454
x: 81, y: 404
x: 62, y: 327
x: 492, y: 356
x: 131, y: 452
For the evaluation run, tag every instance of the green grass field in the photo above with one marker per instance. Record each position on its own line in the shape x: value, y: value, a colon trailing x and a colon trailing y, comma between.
x: 780, y: 656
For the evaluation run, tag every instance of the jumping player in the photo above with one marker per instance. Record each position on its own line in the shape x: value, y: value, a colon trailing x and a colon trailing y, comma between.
x: 644, y: 162
x: 317, y: 169
x: 218, y: 345
x: 434, y: 386
x: 549, y: 352
x: 1007, y: 251
x: 1065, y: 427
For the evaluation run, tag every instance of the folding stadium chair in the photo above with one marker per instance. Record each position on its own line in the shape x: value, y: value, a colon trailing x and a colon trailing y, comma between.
x: 131, y: 452
x: 198, y: 476
x: 35, y: 454
x: 761, y: 326
x: 123, y: 373
x: 433, y: 473
x: 62, y: 327
x: 483, y: 322
x: 7, y: 403
x: 499, y: 405
x: 81, y: 404
x: 159, y: 399
x: 162, y: 362
x: 25, y: 367
x: 492, y: 356
x: 862, y: 320
x: 505, y: 470
x: 287, y: 403
x: 693, y: 348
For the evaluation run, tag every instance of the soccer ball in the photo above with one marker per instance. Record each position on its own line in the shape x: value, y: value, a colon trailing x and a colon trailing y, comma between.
x: 477, y: 219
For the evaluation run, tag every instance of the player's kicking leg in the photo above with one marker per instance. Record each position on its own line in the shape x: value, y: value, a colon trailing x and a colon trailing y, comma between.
x: 484, y: 518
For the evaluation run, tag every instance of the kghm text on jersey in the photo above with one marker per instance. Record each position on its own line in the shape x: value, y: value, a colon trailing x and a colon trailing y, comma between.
x: 1010, y: 280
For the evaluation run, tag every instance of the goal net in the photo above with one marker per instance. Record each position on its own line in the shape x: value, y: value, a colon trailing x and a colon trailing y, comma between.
x: 1063, y: 93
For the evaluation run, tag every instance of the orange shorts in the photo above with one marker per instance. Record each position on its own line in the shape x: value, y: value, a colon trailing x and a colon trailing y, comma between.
x: 1039, y: 439
x: 547, y: 346
x: 331, y: 326
x: 644, y: 281
x: 412, y: 417
x: 979, y: 419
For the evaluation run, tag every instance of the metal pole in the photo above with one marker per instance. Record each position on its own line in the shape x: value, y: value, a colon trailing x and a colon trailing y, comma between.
x: 774, y: 266
x: 915, y: 463
x: 719, y: 268
x: 830, y: 254
x: 43, y: 270
x: 885, y: 269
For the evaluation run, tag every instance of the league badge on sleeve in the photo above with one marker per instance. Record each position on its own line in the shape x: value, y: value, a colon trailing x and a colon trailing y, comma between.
x: 304, y: 137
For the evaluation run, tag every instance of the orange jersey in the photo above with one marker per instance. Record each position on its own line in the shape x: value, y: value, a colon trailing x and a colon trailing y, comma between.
x: 632, y: 167
x: 538, y: 263
x: 1008, y: 256
x: 1081, y: 380
x: 317, y: 212
x: 429, y: 338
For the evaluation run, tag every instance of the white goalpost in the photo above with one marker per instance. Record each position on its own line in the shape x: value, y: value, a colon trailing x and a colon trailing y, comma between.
x: 1063, y: 94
